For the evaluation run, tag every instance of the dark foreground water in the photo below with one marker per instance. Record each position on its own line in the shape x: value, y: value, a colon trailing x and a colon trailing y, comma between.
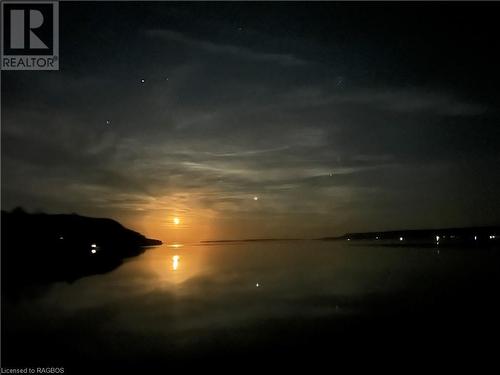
x: 255, y: 305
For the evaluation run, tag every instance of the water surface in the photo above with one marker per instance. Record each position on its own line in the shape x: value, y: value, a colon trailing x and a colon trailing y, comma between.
x: 174, y: 304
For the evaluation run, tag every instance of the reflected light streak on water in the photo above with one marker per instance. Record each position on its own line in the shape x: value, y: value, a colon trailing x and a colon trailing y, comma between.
x: 175, y: 262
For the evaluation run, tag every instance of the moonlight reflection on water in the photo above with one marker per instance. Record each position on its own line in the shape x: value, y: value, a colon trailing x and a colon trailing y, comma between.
x: 315, y: 290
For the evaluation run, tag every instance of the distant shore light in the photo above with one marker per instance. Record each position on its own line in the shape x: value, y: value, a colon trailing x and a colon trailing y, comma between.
x: 401, y: 238
x: 255, y: 198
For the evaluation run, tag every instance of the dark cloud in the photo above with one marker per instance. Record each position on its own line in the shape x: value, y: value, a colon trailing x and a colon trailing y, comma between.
x: 306, y: 116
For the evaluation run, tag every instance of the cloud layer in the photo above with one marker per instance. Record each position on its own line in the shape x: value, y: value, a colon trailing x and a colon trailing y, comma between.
x: 216, y: 123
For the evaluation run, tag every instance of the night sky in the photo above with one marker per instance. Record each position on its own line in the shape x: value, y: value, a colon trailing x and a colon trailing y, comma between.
x: 261, y: 120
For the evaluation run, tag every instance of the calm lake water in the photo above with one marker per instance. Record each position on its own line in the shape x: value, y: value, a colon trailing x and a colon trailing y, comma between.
x: 252, y: 300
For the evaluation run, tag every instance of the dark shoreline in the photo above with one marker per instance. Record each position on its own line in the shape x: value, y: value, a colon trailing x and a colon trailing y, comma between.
x: 485, y: 236
x: 253, y: 240
x: 38, y: 249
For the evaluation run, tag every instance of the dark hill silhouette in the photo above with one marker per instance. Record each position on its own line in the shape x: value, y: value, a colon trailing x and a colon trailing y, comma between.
x: 39, y: 248
x: 469, y: 236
